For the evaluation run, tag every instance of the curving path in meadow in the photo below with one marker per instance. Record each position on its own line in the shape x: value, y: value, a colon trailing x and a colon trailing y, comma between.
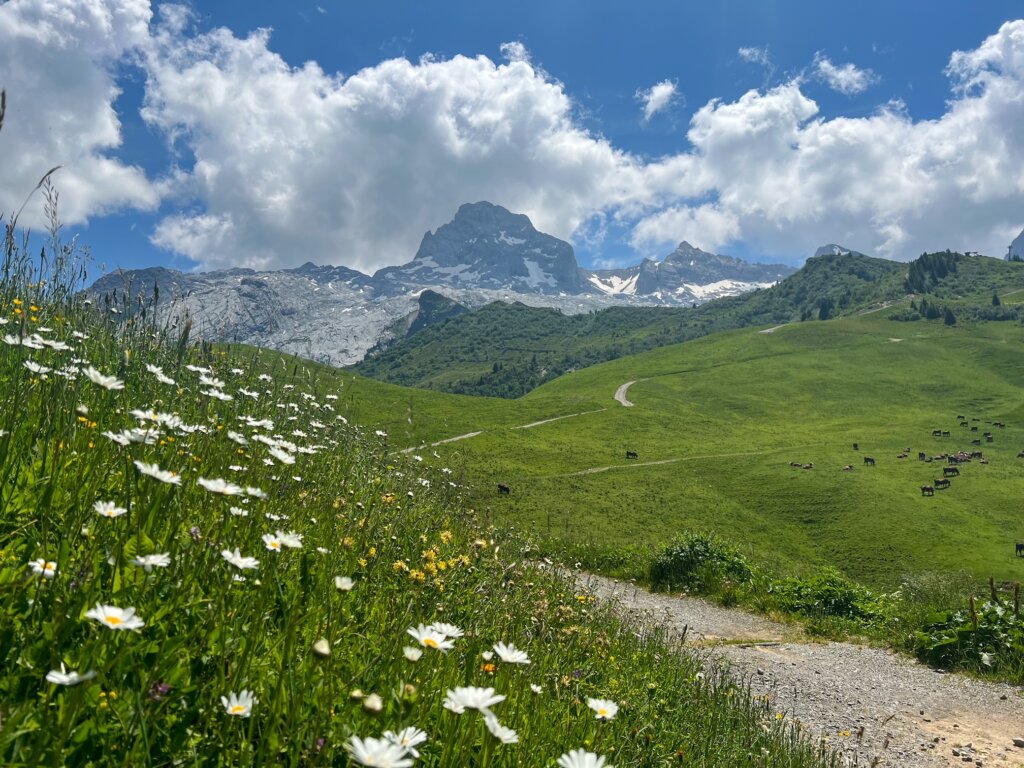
x: 908, y: 715
x: 620, y: 394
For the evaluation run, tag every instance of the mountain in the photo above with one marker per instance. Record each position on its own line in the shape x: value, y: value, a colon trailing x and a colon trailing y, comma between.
x: 688, y: 275
x: 1016, y: 250
x: 835, y: 250
x: 485, y: 254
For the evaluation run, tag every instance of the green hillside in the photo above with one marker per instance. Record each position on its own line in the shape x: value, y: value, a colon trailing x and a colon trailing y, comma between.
x: 508, y: 350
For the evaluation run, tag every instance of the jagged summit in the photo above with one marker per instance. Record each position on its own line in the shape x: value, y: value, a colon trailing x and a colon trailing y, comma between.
x: 1016, y: 250
x: 831, y: 249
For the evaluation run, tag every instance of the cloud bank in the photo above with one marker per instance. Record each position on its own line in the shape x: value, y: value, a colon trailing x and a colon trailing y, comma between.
x: 276, y: 164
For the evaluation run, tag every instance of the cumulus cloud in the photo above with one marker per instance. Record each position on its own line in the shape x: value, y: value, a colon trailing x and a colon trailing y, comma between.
x: 657, y: 98
x: 848, y: 79
x: 755, y: 55
x: 56, y: 62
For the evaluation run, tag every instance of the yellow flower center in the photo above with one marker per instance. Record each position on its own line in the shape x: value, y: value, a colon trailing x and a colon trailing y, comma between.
x: 113, y: 620
x: 237, y: 709
x: 601, y: 712
x: 430, y: 642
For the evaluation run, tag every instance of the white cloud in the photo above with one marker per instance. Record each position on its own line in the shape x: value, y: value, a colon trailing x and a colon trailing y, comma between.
x: 55, y: 64
x: 657, y: 98
x: 848, y: 79
x: 755, y: 55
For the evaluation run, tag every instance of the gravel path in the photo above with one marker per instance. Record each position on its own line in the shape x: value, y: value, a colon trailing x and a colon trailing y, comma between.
x: 908, y: 715
x: 620, y: 394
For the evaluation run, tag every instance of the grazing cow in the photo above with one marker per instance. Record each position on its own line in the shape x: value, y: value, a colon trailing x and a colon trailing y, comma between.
x: 950, y: 472
x: 975, y: 454
x: 1020, y: 549
x: 795, y: 464
x: 999, y: 424
x: 848, y: 468
x: 869, y: 461
x: 927, y: 490
x: 502, y: 488
x: 983, y: 461
x: 1020, y: 455
x: 936, y: 433
x: 941, y: 482
x: 808, y: 466
x: 856, y: 446
x: 989, y: 438
x: 964, y: 424
x: 974, y: 429
x: 921, y: 456
x: 975, y: 442
x: 632, y: 455
x: 945, y: 433
x: 901, y: 455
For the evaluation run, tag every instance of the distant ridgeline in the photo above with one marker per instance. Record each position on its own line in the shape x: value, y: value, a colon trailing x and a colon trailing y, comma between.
x: 506, y: 350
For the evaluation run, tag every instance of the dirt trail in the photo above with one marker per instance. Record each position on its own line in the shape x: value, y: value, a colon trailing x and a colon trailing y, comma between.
x: 620, y: 393
x: 911, y: 715
x: 557, y: 418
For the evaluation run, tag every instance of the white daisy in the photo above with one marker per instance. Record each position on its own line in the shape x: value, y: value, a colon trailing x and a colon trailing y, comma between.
x: 107, y: 382
x: 114, y: 617
x: 510, y: 654
x: 272, y: 542
x: 379, y: 753
x: 580, y: 758
x: 344, y: 583
x: 448, y: 630
x: 412, y: 654
x: 45, y: 568
x: 149, y: 562
x: 238, y: 704
x: 428, y: 637
x: 282, y: 456
x: 471, y: 697
x: 109, y: 509
x: 407, y: 738
x: 237, y: 560
x: 239, y: 512
x: 216, y: 393
x: 222, y: 487
x: 604, y: 709
x: 291, y: 539
x: 154, y: 471
x: 499, y: 731
x: 63, y: 677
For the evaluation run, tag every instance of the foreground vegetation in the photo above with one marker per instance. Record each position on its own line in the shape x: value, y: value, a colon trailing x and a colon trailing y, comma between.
x: 207, y: 562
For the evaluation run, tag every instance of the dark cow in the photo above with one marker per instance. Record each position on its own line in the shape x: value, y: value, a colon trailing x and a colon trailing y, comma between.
x: 974, y: 429
x: 961, y: 417
x: 632, y: 455
x: 921, y: 456
x: 950, y: 472
x: 869, y: 461
x: 927, y: 490
x: 964, y: 424
x: 975, y: 442
x: 945, y: 433
x: 502, y: 488
x: 856, y: 446
x: 901, y: 455
x: 999, y: 424
x: 936, y: 433
x: 795, y: 464
x: 975, y: 454
x: 1020, y: 549
x: 989, y: 438
x: 941, y: 482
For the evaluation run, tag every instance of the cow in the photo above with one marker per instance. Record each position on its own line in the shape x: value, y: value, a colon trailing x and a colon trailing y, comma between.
x: 983, y: 461
x: 975, y: 454
x: 795, y: 464
x: 975, y: 442
x: 901, y: 455
x: 848, y: 468
x: 964, y: 424
x: 856, y: 446
x: 632, y: 455
x: 989, y: 438
x: 921, y: 456
x: 869, y: 461
x: 808, y: 466
x: 974, y: 429
x: 927, y: 490
x: 936, y: 433
x: 941, y: 482
x: 1020, y: 549
x: 502, y: 488
x: 950, y: 472
x: 945, y: 433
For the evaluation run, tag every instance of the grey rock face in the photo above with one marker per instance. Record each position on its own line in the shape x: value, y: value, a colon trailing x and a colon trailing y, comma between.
x: 1016, y: 249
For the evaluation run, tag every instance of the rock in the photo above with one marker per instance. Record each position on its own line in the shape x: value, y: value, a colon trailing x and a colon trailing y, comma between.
x: 1019, y: 743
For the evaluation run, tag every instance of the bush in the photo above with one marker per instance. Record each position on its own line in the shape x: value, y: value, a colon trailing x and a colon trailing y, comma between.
x: 699, y: 561
x: 829, y: 593
x: 990, y: 637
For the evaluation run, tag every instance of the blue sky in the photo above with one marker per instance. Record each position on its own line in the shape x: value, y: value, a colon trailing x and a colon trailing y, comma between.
x: 191, y: 138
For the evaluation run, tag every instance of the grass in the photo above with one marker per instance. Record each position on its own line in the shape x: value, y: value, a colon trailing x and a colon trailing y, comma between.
x: 306, y: 667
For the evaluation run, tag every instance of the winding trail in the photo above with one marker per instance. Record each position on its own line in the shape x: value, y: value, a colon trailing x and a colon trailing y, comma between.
x: 912, y: 716
x: 620, y: 393
x: 557, y: 418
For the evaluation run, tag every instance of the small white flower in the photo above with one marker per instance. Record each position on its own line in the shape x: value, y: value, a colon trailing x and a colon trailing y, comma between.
x: 272, y: 542
x: 45, y: 568
x: 107, y: 382
x: 239, y: 512
x: 114, y: 617
x: 407, y: 738
x: 499, y: 731
x: 344, y: 583
x: 238, y: 704
x: 536, y: 688
x: 604, y: 709
x: 255, y: 492
x: 430, y: 638
x: 222, y: 487
x: 412, y: 654
x: 322, y: 647
x: 986, y: 659
x: 379, y: 753
x: 291, y: 539
x: 216, y: 393
x: 487, y: 655
x: 109, y: 509
x: 149, y: 562
x: 237, y: 560
x: 580, y: 758
x: 208, y: 381
x: 448, y: 630
x: 282, y: 456
x: 373, y: 703
x: 510, y: 654
x: 471, y: 697
x: 238, y: 438
x: 63, y: 677
x: 154, y: 471
x: 39, y: 370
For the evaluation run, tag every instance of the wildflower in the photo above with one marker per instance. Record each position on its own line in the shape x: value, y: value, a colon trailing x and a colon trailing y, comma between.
x: 603, y: 708
x: 148, y: 562
x: 237, y: 560
x: 158, y: 691
x: 449, y: 630
x: 373, y: 703
x: 222, y: 487
x: 380, y: 753
x: 107, y: 382
x: 580, y: 758
x: 510, y: 654
x: 39, y: 370
x: 322, y: 647
x: 429, y: 637
x: 236, y: 437
x: 255, y: 492
x: 109, y: 509
x: 238, y: 704
x: 283, y: 456
x: 471, y: 697
x: 154, y: 471
x: 407, y: 738
x: 412, y: 654
x: 160, y: 376
x: 291, y: 539
x: 239, y: 511
x: 114, y: 617
x: 344, y: 583
x: 499, y: 731
x: 68, y: 678
x: 536, y: 688
x: 45, y: 568
x: 207, y: 381
x: 272, y: 542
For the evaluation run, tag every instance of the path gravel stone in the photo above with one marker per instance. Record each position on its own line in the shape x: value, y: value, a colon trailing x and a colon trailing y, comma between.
x: 869, y: 703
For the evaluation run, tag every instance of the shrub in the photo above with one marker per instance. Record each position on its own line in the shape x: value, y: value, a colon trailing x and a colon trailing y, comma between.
x: 699, y: 561
x: 990, y: 637
x: 829, y: 593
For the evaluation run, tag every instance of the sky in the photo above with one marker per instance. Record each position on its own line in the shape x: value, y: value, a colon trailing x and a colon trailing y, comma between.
x: 264, y: 134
